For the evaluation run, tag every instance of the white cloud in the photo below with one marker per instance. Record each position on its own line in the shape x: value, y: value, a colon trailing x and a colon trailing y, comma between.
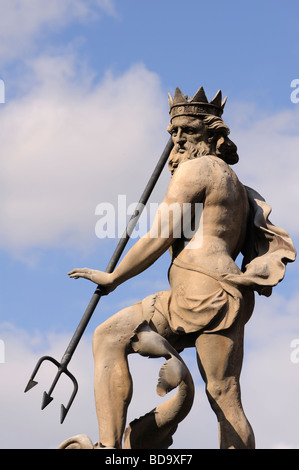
x: 22, y: 22
x: 267, y: 147
x: 68, y: 145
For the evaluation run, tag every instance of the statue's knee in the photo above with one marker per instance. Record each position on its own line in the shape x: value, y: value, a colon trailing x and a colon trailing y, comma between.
x: 112, y: 335
x: 98, y: 333
x: 116, y: 332
x: 101, y: 337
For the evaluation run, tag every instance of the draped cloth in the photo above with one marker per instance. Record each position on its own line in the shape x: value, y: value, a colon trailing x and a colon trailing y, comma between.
x: 209, y: 313
x: 267, y: 249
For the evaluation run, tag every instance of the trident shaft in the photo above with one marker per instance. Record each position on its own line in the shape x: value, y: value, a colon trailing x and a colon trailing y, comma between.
x: 62, y: 365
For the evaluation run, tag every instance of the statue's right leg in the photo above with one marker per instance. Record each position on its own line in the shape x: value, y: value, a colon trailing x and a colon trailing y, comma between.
x: 112, y: 379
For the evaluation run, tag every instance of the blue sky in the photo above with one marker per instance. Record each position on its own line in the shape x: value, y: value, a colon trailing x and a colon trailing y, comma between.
x: 85, y: 120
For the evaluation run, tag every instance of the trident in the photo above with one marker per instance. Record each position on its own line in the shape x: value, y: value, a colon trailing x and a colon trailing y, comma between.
x: 62, y: 365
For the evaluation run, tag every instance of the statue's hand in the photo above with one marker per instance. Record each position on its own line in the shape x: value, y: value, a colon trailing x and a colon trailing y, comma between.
x: 101, y: 278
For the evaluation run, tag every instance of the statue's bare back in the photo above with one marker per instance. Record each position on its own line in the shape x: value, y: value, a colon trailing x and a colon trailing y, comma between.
x: 224, y: 216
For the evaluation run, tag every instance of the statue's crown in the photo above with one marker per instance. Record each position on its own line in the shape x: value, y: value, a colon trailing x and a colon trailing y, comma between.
x: 198, y: 105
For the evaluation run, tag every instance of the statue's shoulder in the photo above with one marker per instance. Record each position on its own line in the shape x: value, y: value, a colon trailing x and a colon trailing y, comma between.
x: 204, y: 166
x: 200, y: 163
x: 192, y: 170
x: 220, y: 166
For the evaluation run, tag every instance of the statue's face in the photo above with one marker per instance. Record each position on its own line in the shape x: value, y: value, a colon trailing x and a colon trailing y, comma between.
x: 187, y: 129
x: 190, y: 140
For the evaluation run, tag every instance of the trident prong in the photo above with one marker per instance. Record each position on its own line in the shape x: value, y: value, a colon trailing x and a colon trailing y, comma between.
x: 62, y: 366
x: 47, y: 398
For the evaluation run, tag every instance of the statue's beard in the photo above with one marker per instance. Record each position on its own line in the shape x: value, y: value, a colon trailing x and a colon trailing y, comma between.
x: 180, y: 154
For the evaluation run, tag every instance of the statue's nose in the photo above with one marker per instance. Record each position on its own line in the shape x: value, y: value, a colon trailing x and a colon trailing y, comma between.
x: 180, y: 137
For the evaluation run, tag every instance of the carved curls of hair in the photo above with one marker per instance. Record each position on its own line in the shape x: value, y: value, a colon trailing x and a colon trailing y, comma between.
x: 218, y: 133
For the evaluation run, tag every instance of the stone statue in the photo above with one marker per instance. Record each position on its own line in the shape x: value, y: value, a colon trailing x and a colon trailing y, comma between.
x: 210, y: 298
